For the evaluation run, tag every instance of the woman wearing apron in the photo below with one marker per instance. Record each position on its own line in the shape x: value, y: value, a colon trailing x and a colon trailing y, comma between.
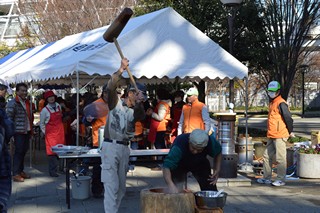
x: 52, y: 127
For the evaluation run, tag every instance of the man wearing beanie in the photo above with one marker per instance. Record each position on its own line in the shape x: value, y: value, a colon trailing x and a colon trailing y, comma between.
x: 189, y: 154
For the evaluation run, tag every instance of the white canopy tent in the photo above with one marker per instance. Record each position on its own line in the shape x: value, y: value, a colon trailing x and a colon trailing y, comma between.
x: 159, y: 45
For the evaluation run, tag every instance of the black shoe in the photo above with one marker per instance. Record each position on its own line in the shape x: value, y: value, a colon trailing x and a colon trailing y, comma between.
x: 54, y: 175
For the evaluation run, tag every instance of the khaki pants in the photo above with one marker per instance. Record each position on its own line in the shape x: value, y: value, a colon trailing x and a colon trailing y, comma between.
x: 114, y: 159
x: 277, y: 147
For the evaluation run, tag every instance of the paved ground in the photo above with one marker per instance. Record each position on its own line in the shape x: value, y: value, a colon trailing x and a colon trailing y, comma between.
x: 44, y: 194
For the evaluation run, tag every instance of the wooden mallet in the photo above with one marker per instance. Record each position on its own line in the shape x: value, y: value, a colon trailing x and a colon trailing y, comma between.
x: 114, y: 31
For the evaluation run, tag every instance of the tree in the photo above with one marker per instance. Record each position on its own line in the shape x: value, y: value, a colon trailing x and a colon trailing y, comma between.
x: 51, y: 20
x: 5, y: 49
x: 286, y: 25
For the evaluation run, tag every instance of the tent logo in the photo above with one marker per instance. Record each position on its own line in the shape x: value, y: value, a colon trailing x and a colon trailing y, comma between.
x: 79, y: 48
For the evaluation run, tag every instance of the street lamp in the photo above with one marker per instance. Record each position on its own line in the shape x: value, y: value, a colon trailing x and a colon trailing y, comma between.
x: 304, y: 69
x: 229, y: 158
x: 232, y: 6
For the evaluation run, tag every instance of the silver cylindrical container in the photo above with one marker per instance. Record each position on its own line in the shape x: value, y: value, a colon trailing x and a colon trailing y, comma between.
x: 226, y: 132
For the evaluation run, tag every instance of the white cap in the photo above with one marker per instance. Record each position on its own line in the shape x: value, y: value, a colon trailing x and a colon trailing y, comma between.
x: 199, y: 138
x: 193, y: 91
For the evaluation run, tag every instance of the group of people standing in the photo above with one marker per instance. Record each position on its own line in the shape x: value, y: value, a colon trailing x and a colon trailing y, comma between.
x: 126, y: 110
x: 123, y: 121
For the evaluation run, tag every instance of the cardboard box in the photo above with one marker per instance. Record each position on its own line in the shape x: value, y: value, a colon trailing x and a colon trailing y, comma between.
x: 315, y: 137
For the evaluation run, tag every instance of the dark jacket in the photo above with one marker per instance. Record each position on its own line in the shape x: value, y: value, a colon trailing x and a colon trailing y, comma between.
x: 18, y: 114
x: 5, y: 162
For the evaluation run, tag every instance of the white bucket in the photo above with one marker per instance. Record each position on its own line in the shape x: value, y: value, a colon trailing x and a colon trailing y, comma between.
x: 80, y: 187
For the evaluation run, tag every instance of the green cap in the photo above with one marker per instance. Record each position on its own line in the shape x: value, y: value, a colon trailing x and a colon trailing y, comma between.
x: 273, y: 86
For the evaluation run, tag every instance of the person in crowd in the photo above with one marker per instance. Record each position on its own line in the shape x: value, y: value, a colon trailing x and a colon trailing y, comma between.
x: 96, y: 123
x: 67, y: 119
x: 73, y: 115
x: 160, y: 118
x: 138, y: 141
x: 119, y: 130
x: 176, y: 113
x: 194, y: 114
x: 280, y: 126
x: 189, y: 154
x: 51, y: 126
x: 20, y: 112
x: 41, y: 104
x: 3, y: 90
x: 6, y: 132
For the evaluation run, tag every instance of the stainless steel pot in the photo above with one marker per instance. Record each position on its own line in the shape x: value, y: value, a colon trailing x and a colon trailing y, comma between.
x: 207, y: 199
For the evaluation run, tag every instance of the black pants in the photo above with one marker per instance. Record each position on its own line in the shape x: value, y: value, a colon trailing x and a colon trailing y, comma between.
x: 53, y: 164
x: 160, y: 142
x: 200, y: 171
x: 96, y: 184
x: 21, y: 143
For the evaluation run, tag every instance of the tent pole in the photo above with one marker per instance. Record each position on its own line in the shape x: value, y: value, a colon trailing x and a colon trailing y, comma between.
x: 31, y: 136
x: 78, y: 121
x: 246, y: 109
x: 89, y: 82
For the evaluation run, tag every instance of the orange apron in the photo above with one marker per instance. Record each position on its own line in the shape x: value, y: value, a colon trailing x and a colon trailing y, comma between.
x: 54, y: 130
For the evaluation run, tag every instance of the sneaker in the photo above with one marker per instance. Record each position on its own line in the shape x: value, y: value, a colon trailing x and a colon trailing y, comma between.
x: 18, y: 178
x: 264, y: 181
x: 278, y: 183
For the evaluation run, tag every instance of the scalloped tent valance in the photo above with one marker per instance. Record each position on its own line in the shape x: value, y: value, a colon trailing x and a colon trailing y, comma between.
x: 161, y: 46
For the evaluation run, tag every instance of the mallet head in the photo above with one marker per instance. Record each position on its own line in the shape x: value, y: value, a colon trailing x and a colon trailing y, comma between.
x: 117, y: 25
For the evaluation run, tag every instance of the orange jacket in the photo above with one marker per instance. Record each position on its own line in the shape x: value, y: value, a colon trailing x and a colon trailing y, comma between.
x: 192, y: 117
x: 99, y: 122
x: 41, y: 104
x: 276, y: 125
x: 138, y: 128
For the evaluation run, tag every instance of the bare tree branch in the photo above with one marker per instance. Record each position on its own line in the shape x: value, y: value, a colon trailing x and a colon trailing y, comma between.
x: 51, y: 20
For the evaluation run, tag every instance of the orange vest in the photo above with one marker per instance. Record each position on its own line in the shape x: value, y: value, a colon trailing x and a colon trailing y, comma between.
x: 276, y: 126
x: 164, y: 123
x: 99, y: 122
x: 192, y: 116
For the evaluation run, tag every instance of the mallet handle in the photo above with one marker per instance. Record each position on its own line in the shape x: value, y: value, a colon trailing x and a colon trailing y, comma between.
x: 128, y: 69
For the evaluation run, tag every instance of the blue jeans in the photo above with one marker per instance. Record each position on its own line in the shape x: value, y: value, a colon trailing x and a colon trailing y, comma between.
x: 5, y: 192
x: 134, y: 146
x: 5, y: 178
x: 21, y: 143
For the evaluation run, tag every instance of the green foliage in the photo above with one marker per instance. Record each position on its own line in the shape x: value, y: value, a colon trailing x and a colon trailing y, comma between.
x: 5, y: 49
x: 297, y: 139
x: 253, y: 132
x: 252, y: 109
x: 310, y: 150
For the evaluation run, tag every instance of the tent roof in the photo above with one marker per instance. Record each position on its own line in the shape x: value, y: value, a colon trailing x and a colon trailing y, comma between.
x: 160, y: 45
